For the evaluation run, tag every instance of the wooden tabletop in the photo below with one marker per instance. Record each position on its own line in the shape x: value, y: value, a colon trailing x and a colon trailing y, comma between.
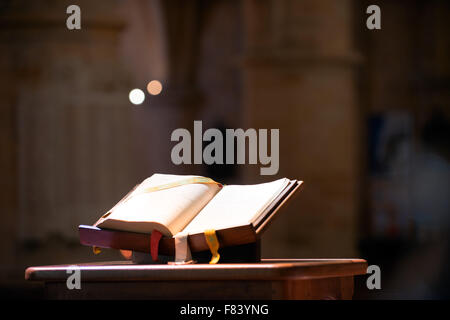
x: 267, y: 269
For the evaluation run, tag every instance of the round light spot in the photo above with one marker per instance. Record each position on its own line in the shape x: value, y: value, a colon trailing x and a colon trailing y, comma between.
x: 154, y: 87
x: 136, y: 96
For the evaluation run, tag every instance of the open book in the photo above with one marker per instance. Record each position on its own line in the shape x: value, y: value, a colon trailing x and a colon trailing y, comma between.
x: 192, y: 204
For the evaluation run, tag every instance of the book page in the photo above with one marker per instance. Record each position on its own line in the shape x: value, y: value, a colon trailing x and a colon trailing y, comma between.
x: 236, y: 205
x: 167, y: 211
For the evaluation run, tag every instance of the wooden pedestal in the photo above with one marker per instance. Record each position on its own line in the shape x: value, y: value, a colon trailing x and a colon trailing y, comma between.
x: 268, y: 279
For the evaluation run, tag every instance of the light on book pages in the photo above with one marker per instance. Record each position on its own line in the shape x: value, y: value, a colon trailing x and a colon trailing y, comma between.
x: 136, y: 96
x: 154, y: 87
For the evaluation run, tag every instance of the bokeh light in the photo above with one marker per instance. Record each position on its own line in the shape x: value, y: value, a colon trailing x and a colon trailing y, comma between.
x: 136, y: 96
x: 154, y: 87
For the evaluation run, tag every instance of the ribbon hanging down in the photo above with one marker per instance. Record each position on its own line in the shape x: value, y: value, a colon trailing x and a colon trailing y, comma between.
x: 182, y: 251
x: 213, y: 244
x: 155, y: 237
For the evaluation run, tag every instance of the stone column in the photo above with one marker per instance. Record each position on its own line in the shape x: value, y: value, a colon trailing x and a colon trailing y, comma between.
x: 180, y: 102
x: 73, y: 129
x: 299, y: 76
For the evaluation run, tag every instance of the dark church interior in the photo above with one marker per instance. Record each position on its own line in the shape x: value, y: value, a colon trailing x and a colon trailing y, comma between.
x: 363, y: 118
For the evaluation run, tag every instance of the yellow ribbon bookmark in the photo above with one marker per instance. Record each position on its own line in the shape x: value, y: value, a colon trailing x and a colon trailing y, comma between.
x: 96, y: 250
x: 213, y: 244
x: 192, y: 180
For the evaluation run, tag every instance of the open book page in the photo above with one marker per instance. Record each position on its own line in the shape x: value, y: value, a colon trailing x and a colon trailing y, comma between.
x: 236, y: 205
x: 167, y: 211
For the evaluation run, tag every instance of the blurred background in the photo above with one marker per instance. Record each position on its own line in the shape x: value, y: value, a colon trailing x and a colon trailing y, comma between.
x: 363, y: 118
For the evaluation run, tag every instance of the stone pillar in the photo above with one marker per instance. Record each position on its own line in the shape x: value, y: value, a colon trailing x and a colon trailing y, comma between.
x: 73, y: 126
x: 299, y: 76
x: 180, y: 102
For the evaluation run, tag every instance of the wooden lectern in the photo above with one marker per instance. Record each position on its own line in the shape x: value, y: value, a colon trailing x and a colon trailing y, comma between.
x: 240, y: 273
x: 267, y: 279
